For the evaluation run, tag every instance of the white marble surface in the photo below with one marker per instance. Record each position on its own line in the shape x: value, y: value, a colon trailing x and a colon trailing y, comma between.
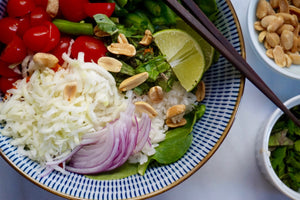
x: 231, y: 173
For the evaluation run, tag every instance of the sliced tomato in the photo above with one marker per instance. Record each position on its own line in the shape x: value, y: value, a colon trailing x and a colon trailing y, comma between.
x: 42, y: 38
x: 54, y: 37
x: 73, y: 9
x: 18, y: 8
x: 8, y: 29
x: 15, y: 51
x: 7, y: 83
x: 41, y: 3
x: 61, y: 48
x: 36, y: 38
x: 92, y: 9
x: 38, y: 16
x: 24, y: 25
x: 92, y: 48
x: 6, y: 71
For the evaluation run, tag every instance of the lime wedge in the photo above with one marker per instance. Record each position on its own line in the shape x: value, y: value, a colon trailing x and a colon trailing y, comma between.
x: 207, y: 49
x: 184, y: 55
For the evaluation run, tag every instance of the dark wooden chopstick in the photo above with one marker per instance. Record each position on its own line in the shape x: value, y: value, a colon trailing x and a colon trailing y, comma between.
x: 210, y: 33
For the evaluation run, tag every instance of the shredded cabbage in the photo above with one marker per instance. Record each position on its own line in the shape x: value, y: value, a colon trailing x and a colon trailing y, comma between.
x: 44, y: 125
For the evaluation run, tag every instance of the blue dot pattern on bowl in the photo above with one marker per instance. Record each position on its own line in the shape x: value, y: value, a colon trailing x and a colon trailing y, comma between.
x: 224, y: 85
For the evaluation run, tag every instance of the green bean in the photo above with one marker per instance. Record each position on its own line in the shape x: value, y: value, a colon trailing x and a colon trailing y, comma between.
x: 139, y: 19
x: 122, y: 3
x: 168, y: 14
x: 159, y: 21
x: 127, y: 69
x: 74, y: 28
x: 153, y: 7
x: 119, y: 11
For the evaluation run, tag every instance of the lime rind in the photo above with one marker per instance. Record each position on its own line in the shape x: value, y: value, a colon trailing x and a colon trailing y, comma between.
x: 207, y: 49
x: 183, y: 54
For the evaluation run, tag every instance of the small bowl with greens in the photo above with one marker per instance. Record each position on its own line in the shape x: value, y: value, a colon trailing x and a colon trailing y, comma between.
x: 278, y: 150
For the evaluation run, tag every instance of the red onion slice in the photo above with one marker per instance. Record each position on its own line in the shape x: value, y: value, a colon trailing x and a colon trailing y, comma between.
x: 114, y: 145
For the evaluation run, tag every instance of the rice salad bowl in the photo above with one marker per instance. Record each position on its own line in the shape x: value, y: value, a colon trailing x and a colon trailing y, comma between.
x: 73, y: 131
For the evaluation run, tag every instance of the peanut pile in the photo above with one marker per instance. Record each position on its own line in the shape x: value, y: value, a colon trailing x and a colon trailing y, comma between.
x: 278, y: 27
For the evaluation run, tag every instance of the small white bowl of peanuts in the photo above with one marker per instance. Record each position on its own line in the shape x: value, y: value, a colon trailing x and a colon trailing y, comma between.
x: 274, y: 29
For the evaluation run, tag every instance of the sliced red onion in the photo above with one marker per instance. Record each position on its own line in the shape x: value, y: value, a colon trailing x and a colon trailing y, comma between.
x: 145, y: 126
x: 116, y: 142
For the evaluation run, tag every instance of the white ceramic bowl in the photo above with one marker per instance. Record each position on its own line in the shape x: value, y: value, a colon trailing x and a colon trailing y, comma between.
x: 262, y: 152
x: 292, y: 71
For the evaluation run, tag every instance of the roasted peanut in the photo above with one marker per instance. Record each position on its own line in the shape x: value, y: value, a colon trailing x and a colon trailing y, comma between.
x: 45, y: 60
x: 295, y: 58
x: 52, y: 8
x: 175, y: 116
x: 156, y: 94
x: 176, y: 112
x: 294, y: 10
x: 288, y: 18
x: 200, y: 92
x: 287, y: 39
x: 283, y: 6
x: 294, y: 49
x: 258, y: 26
x: 267, y: 45
x: 296, y: 3
x: 279, y: 56
x: 262, y: 9
x: 70, y: 91
x: 99, y: 33
x: 144, y: 107
x: 110, y: 64
x: 262, y: 36
x: 288, y: 27
x: 297, y: 41
x: 274, y: 3
x: 269, y: 53
x: 122, y: 39
x: 171, y: 124
x: 272, y: 22
x: 147, y: 39
x: 273, y: 39
x: 133, y: 81
x: 122, y: 49
x: 289, y: 60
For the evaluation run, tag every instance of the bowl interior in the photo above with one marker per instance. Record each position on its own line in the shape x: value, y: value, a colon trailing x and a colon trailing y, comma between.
x: 224, y: 88
x: 293, y: 71
x: 272, y: 176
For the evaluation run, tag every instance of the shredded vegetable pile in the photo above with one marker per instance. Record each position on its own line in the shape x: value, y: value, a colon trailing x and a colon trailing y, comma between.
x: 45, y: 124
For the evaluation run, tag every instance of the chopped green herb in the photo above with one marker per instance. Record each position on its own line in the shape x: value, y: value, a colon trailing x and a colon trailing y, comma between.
x: 284, y: 144
x: 105, y: 24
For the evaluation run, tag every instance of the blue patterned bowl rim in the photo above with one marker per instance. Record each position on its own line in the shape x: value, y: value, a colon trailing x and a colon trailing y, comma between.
x: 224, y: 89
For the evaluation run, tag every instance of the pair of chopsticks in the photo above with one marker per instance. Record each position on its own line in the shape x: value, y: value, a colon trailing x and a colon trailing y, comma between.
x: 210, y: 33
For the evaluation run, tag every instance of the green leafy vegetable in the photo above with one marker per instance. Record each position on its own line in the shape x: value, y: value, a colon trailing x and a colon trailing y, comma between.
x: 123, y: 171
x: 177, y: 141
x: 175, y: 145
x: 277, y: 158
x: 122, y: 3
x: 154, y: 67
x: 105, y: 24
x: 139, y: 19
x: 153, y: 7
x: 284, y: 144
x: 209, y: 7
x: 119, y: 10
x: 280, y: 139
x: 74, y: 28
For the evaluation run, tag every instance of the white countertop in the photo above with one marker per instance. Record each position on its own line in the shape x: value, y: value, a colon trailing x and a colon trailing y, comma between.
x: 231, y: 173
